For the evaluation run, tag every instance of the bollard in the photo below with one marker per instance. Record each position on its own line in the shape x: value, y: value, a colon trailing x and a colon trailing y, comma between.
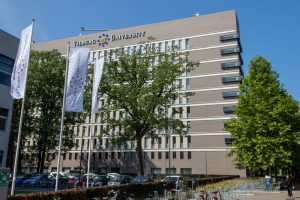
x: 4, y: 180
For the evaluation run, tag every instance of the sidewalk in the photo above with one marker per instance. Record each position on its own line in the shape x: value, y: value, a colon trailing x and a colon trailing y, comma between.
x: 280, y: 195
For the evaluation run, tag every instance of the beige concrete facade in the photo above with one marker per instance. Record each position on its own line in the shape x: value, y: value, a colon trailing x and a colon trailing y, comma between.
x: 205, y: 150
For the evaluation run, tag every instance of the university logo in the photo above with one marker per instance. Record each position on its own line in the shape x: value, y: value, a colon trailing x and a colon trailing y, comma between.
x: 103, y: 40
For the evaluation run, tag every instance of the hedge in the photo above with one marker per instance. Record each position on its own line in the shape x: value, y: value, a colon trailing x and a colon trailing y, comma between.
x: 139, y: 191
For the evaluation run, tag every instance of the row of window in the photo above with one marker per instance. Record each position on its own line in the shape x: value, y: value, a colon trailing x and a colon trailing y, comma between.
x: 183, y: 171
x: 183, y: 142
x: 166, y: 46
x: 105, y: 170
x: 174, y: 155
x: 126, y: 155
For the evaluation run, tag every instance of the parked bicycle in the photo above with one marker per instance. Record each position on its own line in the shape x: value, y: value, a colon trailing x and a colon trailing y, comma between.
x: 120, y: 195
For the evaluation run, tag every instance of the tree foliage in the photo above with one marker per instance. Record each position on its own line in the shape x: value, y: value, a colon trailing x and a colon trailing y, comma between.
x: 266, y: 131
x: 43, y: 105
x: 142, y: 92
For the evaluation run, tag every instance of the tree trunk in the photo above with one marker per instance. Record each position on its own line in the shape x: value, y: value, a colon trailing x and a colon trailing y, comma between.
x: 39, y: 161
x: 139, y: 155
x: 43, y: 160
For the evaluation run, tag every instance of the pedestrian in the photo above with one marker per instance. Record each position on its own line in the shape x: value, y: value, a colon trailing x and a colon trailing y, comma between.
x: 268, y: 182
x: 289, y: 183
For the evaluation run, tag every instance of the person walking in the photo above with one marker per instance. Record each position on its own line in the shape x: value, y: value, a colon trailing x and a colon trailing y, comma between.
x: 289, y: 183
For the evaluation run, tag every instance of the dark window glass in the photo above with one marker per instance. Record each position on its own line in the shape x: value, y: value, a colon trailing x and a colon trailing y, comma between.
x: 152, y: 155
x: 159, y: 155
x: 231, y: 79
x: 5, y: 79
x: 229, y: 109
x: 230, y: 94
x: 2, y: 124
x: 228, y: 141
x: 181, y: 155
x: 231, y: 65
x: 189, y: 155
x: 229, y: 37
x: 229, y: 51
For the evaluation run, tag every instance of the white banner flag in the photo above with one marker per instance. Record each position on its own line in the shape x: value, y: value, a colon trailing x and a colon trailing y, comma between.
x: 78, y: 62
x: 19, y: 75
x: 98, y: 69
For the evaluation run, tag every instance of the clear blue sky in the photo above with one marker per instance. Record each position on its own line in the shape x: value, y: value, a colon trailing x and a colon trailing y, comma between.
x: 270, y: 28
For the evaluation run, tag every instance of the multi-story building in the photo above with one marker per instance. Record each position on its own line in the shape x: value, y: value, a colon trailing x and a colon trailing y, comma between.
x: 8, y: 51
x: 213, y: 41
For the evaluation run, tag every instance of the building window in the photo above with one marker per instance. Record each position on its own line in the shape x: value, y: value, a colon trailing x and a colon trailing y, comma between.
x: 229, y: 109
x: 153, y: 48
x: 170, y: 170
x: 229, y: 51
x: 145, y: 143
x: 181, y: 141
x: 232, y: 79
x: 167, y: 142
x: 112, y: 155
x: 228, y: 141
x: 174, y: 142
x: 185, y: 171
x: 166, y: 46
x: 152, y: 155
x: 189, y: 155
x: 173, y: 44
x: 132, y: 155
x: 160, y: 47
x: 3, y: 117
x: 189, y: 141
x: 159, y: 142
x: 188, y: 111
x: 174, y: 155
x: 125, y: 155
x: 187, y: 83
x: 70, y: 156
x: 64, y: 156
x: 231, y: 94
x: 145, y: 155
x: 167, y: 155
x: 155, y: 170
x: 180, y: 84
x: 187, y: 44
x: 181, y: 155
x: 99, y: 156
x: 119, y: 155
x: 229, y: 37
x: 231, y: 65
x: 180, y: 44
x: 94, y: 156
x: 1, y: 157
x: 159, y: 155
x: 128, y: 50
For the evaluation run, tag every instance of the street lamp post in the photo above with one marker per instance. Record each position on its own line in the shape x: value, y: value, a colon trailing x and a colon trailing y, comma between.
x: 80, y: 162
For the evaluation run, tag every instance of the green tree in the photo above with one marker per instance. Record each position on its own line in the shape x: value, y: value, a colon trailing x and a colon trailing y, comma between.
x: 142, y: 92
x: 43, y: 104
x: 265, y: 129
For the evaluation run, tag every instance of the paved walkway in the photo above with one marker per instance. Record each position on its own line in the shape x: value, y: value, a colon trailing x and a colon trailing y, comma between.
x: 280, y: 195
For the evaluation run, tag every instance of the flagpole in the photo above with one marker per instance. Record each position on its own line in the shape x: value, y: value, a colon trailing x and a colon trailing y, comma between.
x: 90, y: 149
x: 20, y: 128
x: 62, y: 120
